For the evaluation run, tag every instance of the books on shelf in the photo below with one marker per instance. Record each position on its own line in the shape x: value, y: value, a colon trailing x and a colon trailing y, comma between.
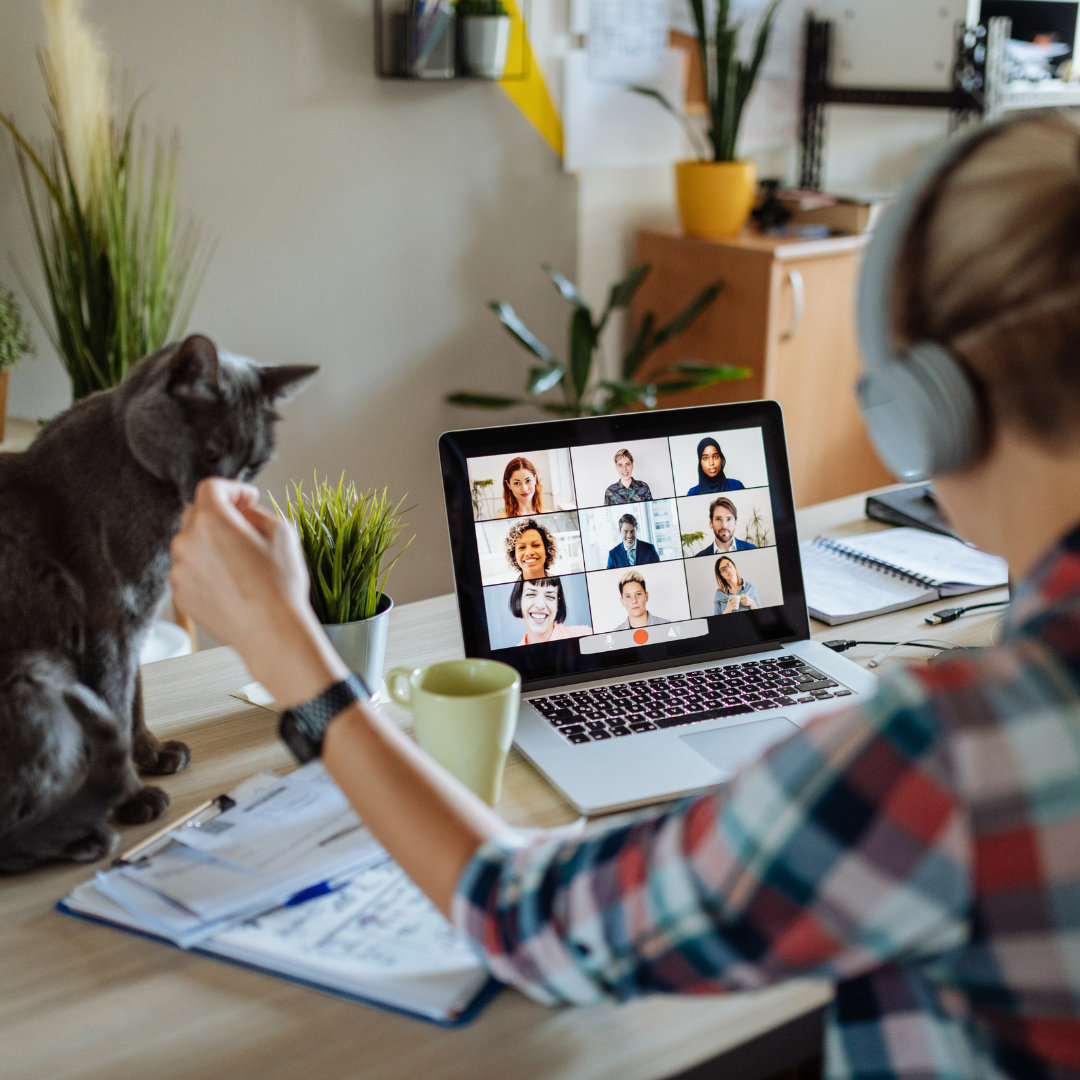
x: 874, y: 573
x: 288, y: 881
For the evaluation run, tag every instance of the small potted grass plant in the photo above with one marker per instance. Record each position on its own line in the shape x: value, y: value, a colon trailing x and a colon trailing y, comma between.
x: 348, y: 539
x: 14, y: 345
x: 484, y: 37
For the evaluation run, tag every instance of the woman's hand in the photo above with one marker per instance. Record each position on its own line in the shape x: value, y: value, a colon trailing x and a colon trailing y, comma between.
x: 239, y: 573
x: 747, y: 602
x: 732, y: 604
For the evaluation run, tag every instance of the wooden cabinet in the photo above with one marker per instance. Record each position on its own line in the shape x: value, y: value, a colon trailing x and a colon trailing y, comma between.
x: 786, y: 312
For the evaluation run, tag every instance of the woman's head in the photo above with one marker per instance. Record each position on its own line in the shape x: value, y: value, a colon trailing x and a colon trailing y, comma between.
x: 540, y: 604
x: 990, y: 268
x: 521, y: 488
x: 728, y: 578
x: 530, y: 548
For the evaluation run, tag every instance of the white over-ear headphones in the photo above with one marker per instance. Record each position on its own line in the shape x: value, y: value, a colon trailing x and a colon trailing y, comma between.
x: 918, y: 404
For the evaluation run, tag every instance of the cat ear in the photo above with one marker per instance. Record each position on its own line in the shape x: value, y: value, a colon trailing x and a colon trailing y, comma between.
x: 284, y: 382
x: 193, y: 370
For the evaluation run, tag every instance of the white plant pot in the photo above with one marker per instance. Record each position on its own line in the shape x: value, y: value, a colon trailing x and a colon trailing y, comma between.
x: 362, y: 644
x: 485, y: 40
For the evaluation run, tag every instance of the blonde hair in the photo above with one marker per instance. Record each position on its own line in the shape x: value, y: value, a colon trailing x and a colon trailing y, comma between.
x: 991, y: 269
x: 631, y: 575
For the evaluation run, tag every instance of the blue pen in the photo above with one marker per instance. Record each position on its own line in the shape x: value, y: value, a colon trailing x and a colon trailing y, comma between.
x: 313, y: 892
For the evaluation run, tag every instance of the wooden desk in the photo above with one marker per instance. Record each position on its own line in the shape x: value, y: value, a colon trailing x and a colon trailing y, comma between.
x: 80, y: 1000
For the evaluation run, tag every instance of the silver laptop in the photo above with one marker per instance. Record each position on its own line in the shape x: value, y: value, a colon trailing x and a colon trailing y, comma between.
x: 642, y: 573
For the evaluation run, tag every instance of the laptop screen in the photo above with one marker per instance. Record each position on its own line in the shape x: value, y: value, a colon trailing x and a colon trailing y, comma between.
x: 616, y: 544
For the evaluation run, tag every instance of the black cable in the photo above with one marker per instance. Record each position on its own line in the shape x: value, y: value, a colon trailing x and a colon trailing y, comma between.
x: 843, y: 644
x: 951, y: 614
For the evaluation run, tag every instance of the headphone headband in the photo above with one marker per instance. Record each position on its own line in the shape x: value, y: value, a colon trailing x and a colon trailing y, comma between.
x: 918, y: 404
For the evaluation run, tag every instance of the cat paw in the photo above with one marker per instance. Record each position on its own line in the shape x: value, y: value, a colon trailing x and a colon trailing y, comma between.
x: 95, y: 844
x: 145, y: 805
x: 161, y: 758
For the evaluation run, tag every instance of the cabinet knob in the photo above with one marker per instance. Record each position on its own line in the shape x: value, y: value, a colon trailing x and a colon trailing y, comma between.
x: 798, y: 302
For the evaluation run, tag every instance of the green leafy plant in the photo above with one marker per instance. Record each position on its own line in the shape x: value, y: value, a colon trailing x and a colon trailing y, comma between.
x: 15, y: 340
x: 757, y: 531
x: 691, y: 538
x: 481, y: 7
x: 118, y: 266
x: 346, y: 537
x: 728, y: 79
x: 584, y: 392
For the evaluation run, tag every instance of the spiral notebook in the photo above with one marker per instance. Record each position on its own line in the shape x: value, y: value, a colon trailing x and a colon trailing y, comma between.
x: 857, y: 577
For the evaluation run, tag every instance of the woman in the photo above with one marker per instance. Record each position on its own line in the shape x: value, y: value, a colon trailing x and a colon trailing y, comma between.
x: 541, y: 606
x: 530, y: 549
x: 710, y: 470
x: 732, y: 593
x: 521, y: 489
x: 920, y: 850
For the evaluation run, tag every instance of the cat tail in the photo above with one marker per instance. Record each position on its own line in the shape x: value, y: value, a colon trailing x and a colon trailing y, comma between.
x: 65, y: 764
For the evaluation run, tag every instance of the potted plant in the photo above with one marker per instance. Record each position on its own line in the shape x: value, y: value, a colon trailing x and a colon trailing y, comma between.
x: 117, y: 264
x: 347, y: 537
x: 585, y: 392
x: 483, y: 36
x: 716, y: 192
x: 14, y: 344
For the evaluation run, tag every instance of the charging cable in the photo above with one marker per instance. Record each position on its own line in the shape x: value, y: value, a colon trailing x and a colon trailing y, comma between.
x: 843, y: 644
x: 951, y: 614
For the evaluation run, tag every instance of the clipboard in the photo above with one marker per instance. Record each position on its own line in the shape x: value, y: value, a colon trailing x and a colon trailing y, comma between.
x: 370, y: 936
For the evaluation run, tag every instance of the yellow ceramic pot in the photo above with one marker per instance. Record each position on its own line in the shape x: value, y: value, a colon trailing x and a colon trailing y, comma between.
x: 715, y: 197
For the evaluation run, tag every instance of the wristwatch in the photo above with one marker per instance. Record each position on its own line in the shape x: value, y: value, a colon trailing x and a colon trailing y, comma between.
x: 301, y: 727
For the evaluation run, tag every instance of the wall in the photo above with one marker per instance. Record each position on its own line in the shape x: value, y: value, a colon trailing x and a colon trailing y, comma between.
x: 357, y: 223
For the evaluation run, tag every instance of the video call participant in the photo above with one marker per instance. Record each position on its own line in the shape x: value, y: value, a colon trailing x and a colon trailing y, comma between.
x: 541, y: 606
x: 635, y: 599
x: 521, y: 489
x: 632, y: 551
x: 723, y: 517
x: 733, y: 593
x: 710, y: 471
x: 626, y: 489
x: 530, y: 549
x: 921, y: 849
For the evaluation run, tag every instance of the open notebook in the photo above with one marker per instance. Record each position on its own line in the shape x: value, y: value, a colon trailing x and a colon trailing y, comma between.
x: 321, y: 904
x: 856, y: 577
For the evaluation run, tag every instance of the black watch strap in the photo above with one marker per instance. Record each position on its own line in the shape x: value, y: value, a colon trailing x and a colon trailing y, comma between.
x: 302, y: 727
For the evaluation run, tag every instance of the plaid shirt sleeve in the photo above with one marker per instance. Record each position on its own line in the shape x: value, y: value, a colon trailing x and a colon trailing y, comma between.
x: 843, y: 848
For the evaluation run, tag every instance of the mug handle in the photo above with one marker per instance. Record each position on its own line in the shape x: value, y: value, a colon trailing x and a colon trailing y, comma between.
x: 397, y: 682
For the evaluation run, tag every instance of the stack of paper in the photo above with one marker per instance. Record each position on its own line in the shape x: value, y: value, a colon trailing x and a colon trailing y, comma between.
x: 289, y: 880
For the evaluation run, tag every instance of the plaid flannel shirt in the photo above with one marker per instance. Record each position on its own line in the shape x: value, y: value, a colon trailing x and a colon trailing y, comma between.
x: 922, y: 851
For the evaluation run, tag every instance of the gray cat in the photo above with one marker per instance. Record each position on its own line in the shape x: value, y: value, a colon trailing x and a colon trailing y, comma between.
x: 86, y: 516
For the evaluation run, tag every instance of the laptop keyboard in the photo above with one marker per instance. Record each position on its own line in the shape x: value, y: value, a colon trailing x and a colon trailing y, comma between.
x: 609, y: 712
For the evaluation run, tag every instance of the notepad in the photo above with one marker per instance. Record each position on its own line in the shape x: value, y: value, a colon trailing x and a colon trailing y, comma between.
x: 857, y: 577
x: 353, y: 924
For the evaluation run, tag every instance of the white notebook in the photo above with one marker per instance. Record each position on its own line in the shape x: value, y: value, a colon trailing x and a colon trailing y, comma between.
x: 856, y: 577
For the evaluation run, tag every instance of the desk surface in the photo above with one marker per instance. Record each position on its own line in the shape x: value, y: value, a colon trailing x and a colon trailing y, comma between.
x: 80, y: 1000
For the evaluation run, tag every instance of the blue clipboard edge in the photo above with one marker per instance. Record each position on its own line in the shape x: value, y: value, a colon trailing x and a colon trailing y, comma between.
x: 482, y: 997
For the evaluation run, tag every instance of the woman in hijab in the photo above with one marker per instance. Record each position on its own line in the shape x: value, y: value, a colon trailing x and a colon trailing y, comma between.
x: 710, y: 470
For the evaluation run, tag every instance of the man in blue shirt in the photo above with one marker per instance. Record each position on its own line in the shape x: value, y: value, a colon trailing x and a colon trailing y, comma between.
x: 632, y: 551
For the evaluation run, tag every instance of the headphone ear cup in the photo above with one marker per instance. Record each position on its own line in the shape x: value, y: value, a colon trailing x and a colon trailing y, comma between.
x: 921, y: 413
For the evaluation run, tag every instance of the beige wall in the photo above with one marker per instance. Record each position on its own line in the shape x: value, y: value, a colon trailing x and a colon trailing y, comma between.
x: 358, y: 223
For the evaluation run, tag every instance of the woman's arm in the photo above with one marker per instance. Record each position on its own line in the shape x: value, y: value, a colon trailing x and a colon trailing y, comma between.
x: 240, y: 574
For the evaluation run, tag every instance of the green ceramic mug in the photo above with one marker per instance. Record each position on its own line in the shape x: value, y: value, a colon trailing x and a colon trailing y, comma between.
x: 464, y: 714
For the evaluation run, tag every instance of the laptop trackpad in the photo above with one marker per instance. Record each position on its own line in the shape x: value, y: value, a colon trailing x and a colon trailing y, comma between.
x: 729, y: 747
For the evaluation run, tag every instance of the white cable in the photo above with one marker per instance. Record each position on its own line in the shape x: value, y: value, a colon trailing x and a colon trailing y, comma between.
x: 875, y: 660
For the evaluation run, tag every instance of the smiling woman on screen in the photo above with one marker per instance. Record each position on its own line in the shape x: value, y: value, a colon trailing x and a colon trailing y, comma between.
x: 530, y: 548
x: 541, y: 606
